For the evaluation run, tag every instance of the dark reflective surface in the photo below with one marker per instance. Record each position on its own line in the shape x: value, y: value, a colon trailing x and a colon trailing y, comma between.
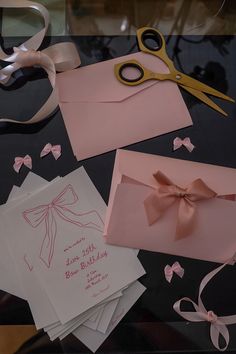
x: 151, y: 326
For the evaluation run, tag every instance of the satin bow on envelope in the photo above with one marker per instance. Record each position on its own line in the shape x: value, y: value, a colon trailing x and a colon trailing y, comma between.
x: 217, y: 323
x: 212, y: 235
x: 168, y: 193
x: 101, y: 114
x: 60, y: 207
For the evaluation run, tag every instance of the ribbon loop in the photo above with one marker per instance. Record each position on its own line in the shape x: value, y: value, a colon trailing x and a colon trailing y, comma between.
x: 167, y: 193
x: 217, y: 324
x: 60, y: 57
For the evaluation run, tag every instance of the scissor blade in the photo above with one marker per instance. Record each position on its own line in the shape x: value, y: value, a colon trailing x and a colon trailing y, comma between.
x: 202, y: 97
x: 197, y: 85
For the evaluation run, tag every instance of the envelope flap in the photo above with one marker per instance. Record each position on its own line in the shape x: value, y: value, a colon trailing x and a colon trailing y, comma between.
x: 141, y: 167
x: 97, y: 82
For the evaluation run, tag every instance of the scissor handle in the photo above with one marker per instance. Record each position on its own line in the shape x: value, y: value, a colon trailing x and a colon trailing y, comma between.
x: 151, y: 41
x: 143, y: 74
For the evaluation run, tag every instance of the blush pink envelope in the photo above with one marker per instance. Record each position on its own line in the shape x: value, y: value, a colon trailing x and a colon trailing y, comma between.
x: 126, y: 223
x: 101, y: 114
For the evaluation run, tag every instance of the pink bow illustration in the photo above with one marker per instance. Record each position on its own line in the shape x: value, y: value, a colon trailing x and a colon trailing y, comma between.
x: 54, y: 149
x: 177, y: 143
x: 19, y: 161
x: 217, y: 324
x: 60, y: 207
x: 170, y: 270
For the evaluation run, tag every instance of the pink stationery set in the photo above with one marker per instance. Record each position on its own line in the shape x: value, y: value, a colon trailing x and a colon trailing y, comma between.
x: 65, y: 262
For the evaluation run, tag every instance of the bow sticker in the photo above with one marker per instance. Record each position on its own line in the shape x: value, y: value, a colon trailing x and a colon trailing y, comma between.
x: 19, y: 161
x: 60, y: 207
x: 170, y: 270
x: 178, y: 142
x: 54, y: 149
x: 168, y: 193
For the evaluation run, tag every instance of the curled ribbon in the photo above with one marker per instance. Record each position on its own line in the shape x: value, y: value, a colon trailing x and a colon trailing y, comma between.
x: 58, y: 57
x: 60, y: 207
x: 178, y: 142
x: 19, y: 161
x: 54, y: 149
x: 217, y: 324
x: 167, y: 193
x: 170, y: 270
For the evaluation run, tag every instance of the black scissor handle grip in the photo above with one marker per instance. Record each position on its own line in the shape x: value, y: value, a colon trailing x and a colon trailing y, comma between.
x: 131, y: 65
x: 151, y: 39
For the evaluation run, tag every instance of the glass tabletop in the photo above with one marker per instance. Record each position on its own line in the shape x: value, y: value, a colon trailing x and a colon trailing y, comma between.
x: 201, y: 40
x: 121, y: 17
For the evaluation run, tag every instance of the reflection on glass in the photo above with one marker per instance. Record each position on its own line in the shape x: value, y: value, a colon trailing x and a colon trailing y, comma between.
x: 117, y: 17
x: 122, y: 17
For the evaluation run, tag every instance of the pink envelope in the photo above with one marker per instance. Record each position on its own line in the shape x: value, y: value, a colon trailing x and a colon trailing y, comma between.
x: 101, y: 114
x: 213, y: 238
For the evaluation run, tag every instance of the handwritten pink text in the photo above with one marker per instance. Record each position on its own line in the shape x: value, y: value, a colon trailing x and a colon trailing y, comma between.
x: 76, y: 243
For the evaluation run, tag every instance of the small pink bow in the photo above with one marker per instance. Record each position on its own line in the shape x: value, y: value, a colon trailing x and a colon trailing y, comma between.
x: 177, y: 143
x: 170, y: 270
x: 54, y: 149
x: 19, y: 161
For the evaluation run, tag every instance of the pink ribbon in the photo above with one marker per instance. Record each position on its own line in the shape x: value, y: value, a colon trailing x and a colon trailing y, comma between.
x: 19, y: 161
x: 178, y: 142
x: 231, y: 197
x: 167, y: 193
x: 61, y: 206
x: 58, y: 57
x: 54, y: 149
x: 170, y: 270
x: 217, y: 324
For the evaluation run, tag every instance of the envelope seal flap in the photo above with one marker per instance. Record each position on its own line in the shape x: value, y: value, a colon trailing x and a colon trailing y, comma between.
x: 98, y: 83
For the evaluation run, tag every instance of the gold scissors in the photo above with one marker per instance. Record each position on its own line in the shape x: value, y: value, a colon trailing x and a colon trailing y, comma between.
x: 152, y: 42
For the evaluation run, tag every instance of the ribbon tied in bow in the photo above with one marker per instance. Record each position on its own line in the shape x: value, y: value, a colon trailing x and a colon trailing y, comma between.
x: 170, y: 270
x: 19, y: 161
x: 58, y: 57
x: 178, y: 142
x: 54, y: 149
x: 168, y: 193
x: 61, y: 207
x: 217, y: 324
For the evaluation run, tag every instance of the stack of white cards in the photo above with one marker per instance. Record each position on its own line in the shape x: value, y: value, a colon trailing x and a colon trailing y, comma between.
x: 53, y: 255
